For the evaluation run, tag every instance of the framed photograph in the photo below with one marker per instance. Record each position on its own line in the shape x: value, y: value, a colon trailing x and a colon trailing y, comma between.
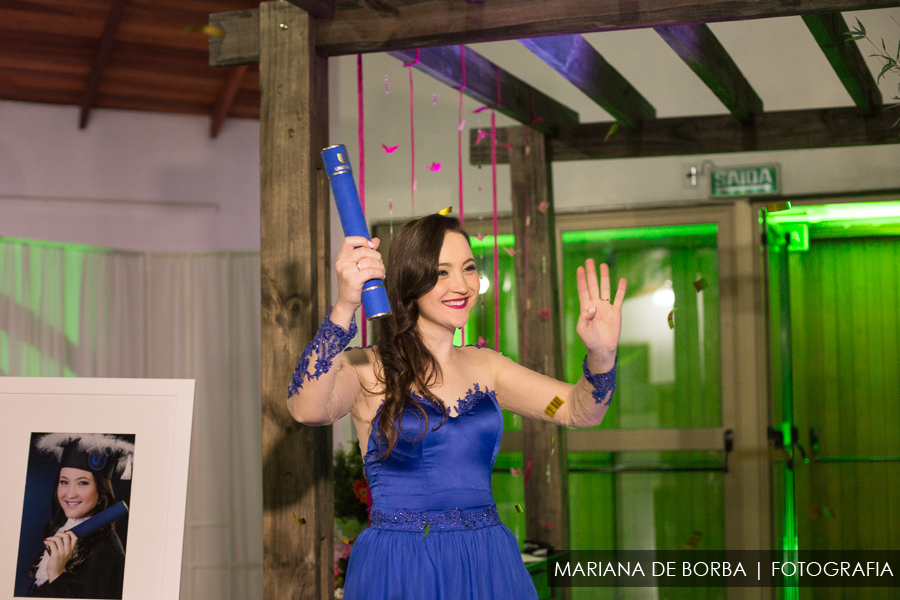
x: 98, y: 471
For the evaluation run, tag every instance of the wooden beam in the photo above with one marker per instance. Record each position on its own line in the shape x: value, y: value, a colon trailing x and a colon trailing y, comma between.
x: 537, y: 285
x: 704, y: 54
x: 297, y: 459
x: 448, y: 22
x: 240, y: 44
x: 320, y: 9
x: 104, y: 50
x: 787, y: 130
x: 575, y: 59
x: 233, y: 80
x: 484, y: 80
x: 830, y: 31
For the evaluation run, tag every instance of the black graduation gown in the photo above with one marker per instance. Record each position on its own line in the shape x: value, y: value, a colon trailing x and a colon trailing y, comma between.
x: 99, y: 576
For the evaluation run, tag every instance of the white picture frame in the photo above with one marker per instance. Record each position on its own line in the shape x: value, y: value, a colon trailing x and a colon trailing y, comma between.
x: 159, y: 413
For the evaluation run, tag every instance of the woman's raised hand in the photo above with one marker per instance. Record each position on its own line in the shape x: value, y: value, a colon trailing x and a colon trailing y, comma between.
x: 600, y: 318
x: 357, y: 262
x: 61, y: 546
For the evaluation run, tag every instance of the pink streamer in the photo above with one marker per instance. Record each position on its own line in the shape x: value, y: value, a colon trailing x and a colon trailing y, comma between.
x: 496, y: 246
x: 412, y: 139
x: 362, y: 165
x: 462, y: 214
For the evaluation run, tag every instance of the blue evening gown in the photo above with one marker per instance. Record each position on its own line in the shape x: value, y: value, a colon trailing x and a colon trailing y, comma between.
x: 442, y: 481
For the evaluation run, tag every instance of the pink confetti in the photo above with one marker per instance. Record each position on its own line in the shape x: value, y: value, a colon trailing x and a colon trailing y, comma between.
x: 543, y: 206
x: 478, y: 110
x: 479, y: 187
x: 481, y: 136
x: 391, y: 206
x: 462, y: 125
x: 528, y: 471
x: 415, y: 184
x: 390, y: 149
x: 545, y: 313
x: 510, y: 251
x: 481, y: 340
x: 434, y: 99
x: 515, y: 472
x: 387, y: 85
x: 549, y: 526
x: 479, y: 237
x: 434, y: 167
x: 507, y: 146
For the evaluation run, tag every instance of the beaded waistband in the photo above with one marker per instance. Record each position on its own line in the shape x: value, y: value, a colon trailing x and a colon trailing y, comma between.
x: 451, y: 519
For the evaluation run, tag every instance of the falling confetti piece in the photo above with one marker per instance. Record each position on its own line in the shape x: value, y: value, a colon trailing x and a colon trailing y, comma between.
x: 434, y: 167
x: 543, y: 206
x: 481, y: 135
x: 479, y: 236
x: 671, y: 319
x: 828, y: 514
x: 815, y: 512
x: 207, y: 29
x: 694, y: 540
x: 445, y: 211
x: 549, y: 526
x: 527, y: 470
x: 505, y: 145
x: 434, y: 99
x: 478, y: 110
x: 554, y: 406
x: 462, y: 125
x: 415, y: 184
x: 612, y: 130
x: 515, y: 472
x: 552, y: 440
x: 391, y: 206
x: 299, y: 521
x: 700, y: 284
x: 482, y: 341
x: 510, y: 251
x: 545, y: 313
x: 390, y: 149
x: 427, y: 527
x: 479, y: 188
x: 387, y: 85
x: 519, y: 508
x: 778, y: 207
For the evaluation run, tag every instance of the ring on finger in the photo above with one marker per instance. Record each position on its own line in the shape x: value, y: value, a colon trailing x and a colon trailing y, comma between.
x: 604, y: 299
x: 358, y: 268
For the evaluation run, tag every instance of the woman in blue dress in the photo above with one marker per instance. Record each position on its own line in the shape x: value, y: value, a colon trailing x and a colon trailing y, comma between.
x: 428, y: 418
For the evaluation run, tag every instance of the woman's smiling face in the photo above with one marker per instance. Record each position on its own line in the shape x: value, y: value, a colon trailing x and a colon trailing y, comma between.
x: 76, y: 491
x: 450, y: 301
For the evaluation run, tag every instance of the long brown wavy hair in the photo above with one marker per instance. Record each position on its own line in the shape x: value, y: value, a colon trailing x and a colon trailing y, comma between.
x: 105, y: 498
x: 406, y: 362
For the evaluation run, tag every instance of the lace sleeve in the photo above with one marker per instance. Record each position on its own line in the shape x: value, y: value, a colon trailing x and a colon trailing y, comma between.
x: 604, y: 383
x: 328, y: 342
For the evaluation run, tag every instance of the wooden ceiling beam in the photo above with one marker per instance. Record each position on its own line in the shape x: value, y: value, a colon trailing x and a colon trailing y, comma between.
x: 830, y: 31
x: 449, y: 22
x: 575, y: 59
x: 320, y: 9
x: 224, y: 101
x: 484, y: 80
x: 682, y: 136
x: 699, y: 48
x: 104, y: 50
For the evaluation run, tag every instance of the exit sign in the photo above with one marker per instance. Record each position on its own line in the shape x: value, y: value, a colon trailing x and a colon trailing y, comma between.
x: 745, y: 181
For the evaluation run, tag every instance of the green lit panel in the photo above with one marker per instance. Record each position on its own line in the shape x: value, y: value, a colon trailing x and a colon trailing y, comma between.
x: 667, y: 377
x: 856, y: 219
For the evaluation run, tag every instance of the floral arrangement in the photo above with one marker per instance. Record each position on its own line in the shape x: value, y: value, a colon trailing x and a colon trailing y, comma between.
x: 350, y: 503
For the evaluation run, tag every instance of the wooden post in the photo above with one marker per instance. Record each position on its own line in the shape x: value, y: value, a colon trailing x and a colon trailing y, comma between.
x: 294, y: 256
x: 537, y: 290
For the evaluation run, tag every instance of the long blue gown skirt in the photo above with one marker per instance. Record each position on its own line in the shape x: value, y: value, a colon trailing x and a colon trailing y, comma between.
x: 442, y: 481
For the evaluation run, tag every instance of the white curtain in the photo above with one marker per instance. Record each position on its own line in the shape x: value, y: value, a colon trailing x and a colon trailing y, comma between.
x: 85, y: 312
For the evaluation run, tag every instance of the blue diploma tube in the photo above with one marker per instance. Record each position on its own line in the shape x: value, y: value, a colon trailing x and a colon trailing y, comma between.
x: 100, y: 520
x: 346, y: 198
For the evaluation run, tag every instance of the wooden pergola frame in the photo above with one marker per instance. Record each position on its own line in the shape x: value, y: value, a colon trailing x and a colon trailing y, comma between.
x: 291, y: 40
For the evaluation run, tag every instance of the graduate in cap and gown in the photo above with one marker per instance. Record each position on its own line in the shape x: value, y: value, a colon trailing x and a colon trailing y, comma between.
x: 92, y: 567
